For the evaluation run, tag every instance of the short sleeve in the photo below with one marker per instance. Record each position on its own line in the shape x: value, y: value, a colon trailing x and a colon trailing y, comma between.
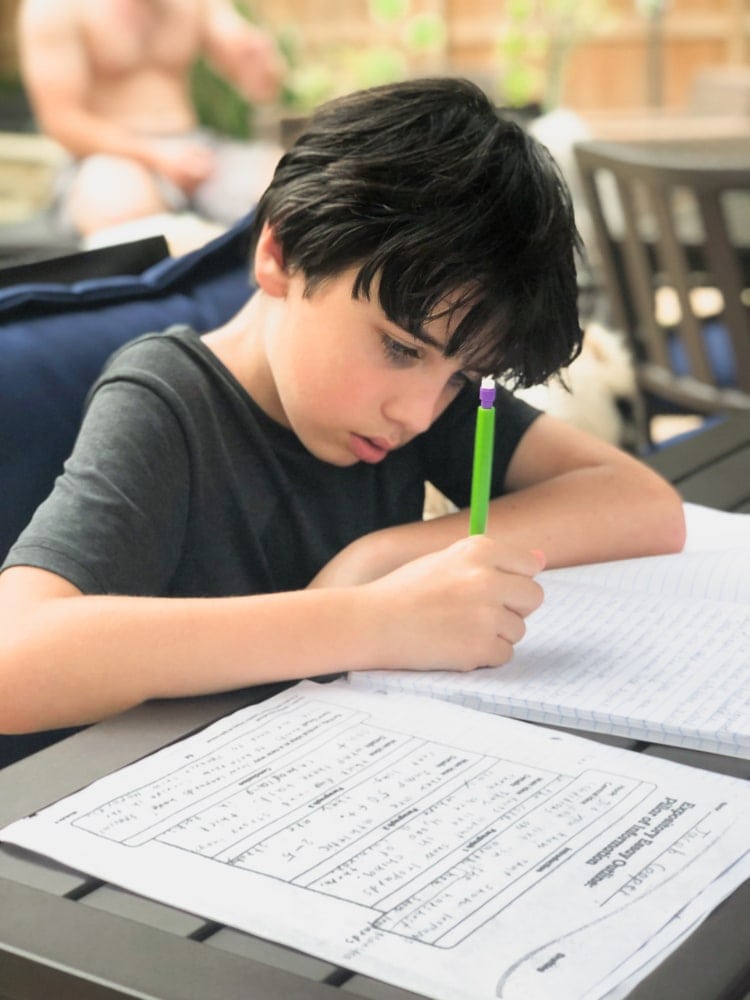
x: 447, y: 448
x: 115, y: 520
x: 55, y: 339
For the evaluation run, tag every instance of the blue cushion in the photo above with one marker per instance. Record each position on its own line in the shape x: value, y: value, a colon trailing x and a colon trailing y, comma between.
x: 718, y: 349
x: 55, y: 339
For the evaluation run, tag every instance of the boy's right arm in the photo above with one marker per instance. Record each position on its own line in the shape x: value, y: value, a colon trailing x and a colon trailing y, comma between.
x: 71, y: 659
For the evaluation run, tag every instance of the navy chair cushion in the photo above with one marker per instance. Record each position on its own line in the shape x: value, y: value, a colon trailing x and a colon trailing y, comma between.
x: 718, y: 349
x: 55, y: 339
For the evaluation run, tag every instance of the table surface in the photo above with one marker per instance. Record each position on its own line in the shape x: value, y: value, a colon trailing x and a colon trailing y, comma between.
x: 685, y: 149
x: 71, y: 937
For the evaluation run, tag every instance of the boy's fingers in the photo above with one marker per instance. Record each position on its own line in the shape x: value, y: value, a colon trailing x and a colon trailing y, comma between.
x: 523, y: 597
x: 506, y: 558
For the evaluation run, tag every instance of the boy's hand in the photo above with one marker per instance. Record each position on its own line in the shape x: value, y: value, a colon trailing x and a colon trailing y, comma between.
x: 456, y: 609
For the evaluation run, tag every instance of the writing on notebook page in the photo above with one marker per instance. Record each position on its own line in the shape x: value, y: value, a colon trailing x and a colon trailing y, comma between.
x: 654, y: 649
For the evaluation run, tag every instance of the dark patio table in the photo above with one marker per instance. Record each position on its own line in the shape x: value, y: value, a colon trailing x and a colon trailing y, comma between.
x: 66, y: 936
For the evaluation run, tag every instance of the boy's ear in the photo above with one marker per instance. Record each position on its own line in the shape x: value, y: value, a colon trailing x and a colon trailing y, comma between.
x: 270, y: 273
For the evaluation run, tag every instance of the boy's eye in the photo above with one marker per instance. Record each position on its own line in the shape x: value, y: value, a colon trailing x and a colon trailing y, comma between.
x: 459, y: 380
x: 396, y: 351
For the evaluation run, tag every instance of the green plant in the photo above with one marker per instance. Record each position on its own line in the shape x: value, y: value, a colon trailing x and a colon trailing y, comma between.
x: 217, y: 104
x: 536, y: 40
x: 398, y: 38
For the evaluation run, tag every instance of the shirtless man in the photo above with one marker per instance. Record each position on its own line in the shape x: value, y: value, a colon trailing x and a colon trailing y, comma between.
x: 109, y: 80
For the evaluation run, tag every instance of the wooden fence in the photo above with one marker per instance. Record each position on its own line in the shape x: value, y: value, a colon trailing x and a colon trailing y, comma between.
x: 625, y: 60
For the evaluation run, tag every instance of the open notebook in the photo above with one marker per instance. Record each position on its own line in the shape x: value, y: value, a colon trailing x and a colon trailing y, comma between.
x: 654, y: 649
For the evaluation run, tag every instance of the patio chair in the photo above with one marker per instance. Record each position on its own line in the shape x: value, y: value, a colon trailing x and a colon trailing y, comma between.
x: 672, y: 245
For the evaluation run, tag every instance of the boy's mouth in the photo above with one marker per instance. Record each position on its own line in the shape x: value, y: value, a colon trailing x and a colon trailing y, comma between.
x: 368, y: 449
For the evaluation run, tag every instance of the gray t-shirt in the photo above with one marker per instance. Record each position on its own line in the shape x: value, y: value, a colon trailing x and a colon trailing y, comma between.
x: 179, y: 484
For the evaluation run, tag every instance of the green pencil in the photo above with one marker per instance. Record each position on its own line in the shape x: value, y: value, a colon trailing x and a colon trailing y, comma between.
x: 484, y: 442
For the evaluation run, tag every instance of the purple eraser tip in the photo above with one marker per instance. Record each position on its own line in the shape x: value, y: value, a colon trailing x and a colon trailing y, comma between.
x: 487, y: 393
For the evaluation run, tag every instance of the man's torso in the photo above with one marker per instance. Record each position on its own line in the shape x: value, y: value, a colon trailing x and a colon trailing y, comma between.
x: 140, y: 53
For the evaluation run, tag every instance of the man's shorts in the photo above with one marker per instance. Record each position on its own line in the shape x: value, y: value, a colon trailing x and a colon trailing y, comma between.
x: 243, y: 171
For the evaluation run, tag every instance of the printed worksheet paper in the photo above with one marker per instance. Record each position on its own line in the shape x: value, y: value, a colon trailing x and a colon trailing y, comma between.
x: 456, y: 854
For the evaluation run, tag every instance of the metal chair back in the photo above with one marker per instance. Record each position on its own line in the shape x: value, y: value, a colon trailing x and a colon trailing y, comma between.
x: 672, y: 229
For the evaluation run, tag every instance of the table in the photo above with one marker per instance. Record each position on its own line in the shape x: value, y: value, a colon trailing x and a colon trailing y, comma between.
x: 711, y: 467
x: 67, y: 936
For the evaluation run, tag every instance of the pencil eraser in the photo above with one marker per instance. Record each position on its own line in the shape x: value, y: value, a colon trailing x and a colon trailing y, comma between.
x: 487, y: 392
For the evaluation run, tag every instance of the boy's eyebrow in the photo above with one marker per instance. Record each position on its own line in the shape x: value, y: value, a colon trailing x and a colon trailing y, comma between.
x: 419, y: 333
x: 424, y: 337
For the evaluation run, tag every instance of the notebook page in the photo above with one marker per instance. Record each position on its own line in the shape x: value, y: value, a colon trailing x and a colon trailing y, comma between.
x: 708, y: 528
x: 631, y: 664
x: 722, y: 574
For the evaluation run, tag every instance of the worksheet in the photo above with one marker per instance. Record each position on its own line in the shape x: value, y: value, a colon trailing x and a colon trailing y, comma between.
x: 454, y: 853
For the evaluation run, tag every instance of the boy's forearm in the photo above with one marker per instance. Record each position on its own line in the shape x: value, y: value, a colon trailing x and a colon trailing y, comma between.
x: 592, y: 514
x: 79, y: 659
x: 582, y: 500
x: 69, y: 659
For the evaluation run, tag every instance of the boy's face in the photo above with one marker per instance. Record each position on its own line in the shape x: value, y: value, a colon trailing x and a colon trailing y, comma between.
x: 350, y: 383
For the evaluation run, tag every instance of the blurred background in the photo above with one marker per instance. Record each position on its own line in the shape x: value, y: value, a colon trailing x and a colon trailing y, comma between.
x: 608, y: 60
x: 625, y: 70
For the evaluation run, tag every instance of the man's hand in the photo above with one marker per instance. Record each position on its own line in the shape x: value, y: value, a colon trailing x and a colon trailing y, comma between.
x: 260, y: 67
x: 185, y: 164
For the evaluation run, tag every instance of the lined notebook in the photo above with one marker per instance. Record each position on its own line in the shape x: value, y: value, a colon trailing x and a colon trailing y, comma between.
x: 654, y: 649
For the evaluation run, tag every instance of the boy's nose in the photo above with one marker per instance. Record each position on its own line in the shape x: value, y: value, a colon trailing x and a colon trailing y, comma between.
x: 416, y: 409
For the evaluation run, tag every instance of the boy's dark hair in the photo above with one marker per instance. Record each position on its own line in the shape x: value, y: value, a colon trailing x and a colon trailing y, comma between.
x: 436, y: 199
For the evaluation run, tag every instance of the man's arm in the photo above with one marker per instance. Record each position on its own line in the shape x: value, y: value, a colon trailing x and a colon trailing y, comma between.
x: 57, y: 75
x: 58, y: 80
x: 244, y: 53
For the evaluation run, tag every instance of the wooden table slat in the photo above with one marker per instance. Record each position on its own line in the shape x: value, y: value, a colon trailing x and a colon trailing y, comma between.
x: 728, y: 487
x: 111, y: 899
x: 270, y: 953
x: 40, y: 933
x: 30, y: 869
x: 373, y: 989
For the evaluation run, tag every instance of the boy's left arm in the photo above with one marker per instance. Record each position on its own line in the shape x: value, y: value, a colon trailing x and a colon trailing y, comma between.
x: 570, y: 495
x: 580, y: 499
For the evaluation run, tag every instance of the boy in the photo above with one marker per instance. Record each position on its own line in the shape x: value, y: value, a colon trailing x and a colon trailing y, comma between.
x: 245, y: 506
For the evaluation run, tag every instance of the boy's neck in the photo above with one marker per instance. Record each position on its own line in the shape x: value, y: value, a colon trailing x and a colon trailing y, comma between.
x: 240, y: 345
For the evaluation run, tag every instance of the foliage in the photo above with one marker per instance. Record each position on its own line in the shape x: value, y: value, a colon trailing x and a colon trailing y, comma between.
x: 536, y: 37
x: 399, y: 37
x: 535, y: 40
x: 217, y: 103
